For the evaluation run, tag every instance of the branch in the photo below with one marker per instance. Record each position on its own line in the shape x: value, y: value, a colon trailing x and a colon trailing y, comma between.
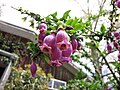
x: 101, y: 7
x: 118, y: 82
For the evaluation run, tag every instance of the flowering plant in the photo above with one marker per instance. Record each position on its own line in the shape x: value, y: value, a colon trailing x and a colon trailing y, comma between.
x: 21, y: 79
x: 99, y: 44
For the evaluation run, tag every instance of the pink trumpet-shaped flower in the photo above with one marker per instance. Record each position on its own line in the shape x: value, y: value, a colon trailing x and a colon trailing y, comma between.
x: 48, y: 43
x: 56, y: 63
x: 45, y: 48
x: 42, y: 27
x: 62, y: 35
x: 33, y: 69
x: 63, y: 45
x: 41, y: 36
x: 118, y: 3
x: 66, y: 55
x: 50, y: 40
x: 74, y: 44
x: 62, y: 40
x: 55, y: 56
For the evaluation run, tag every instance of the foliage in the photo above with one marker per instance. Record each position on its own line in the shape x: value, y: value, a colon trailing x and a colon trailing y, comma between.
x: 91, y: 36
x: 21, y: 79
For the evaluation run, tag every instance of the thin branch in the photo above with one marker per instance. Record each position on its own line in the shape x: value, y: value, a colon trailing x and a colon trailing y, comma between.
x: 101, y: 7
x: 118, y: 82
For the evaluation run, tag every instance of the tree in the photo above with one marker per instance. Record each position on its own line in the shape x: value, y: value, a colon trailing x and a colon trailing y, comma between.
x: 91, y: 34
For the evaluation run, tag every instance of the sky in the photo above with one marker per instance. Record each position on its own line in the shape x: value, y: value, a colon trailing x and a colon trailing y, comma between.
x: 42, y: 7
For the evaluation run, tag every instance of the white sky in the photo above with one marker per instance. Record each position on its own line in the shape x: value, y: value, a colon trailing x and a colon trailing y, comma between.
x: 43, y: 7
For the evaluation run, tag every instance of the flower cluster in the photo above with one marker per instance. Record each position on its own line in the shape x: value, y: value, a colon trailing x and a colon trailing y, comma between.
x: 114, y: 45
x: 57, y: 45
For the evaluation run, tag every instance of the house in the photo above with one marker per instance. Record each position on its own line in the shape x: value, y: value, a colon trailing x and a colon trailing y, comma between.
x: 16, y: 38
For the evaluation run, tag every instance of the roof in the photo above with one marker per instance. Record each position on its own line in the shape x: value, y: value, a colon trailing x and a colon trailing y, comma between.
x: 29, y: 34
x: 17, y: 30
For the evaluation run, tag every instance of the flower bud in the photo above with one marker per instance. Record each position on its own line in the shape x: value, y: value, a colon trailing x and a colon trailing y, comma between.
x: 68, y: 28
x: 74, y: 44
x: 33, y: 69
x: 42, y: 27
x: 41, y: 37
x: 116, y: 34
x: 108, y: 88
x: 109, y: 48
x: 79, y: 45
x: 115, y: 44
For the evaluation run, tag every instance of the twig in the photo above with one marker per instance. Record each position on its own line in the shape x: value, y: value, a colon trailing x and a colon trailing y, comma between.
x: 101, y: 7
x: 118, y: 82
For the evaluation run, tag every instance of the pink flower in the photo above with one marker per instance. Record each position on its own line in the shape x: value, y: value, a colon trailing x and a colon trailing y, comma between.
x: 108, y: 88
x: 63, y: 45
x: 55, y: 56
x: 66, y: 59
x: 119, y: 56
x: 45, y: 48
x: 62, y: 40
x: 50, y: 40
x: 42, y: 27
x: 116, y: 34
x: 118, y: 3
x: 79, y: 45
x: 56, y: 63
x: 109, y: 47
x: 66, y: 55
x: 74, y: 44
x: 48, y: 43
x: 33, y: 69
x: 115, y: 44
x: 41, y: 36
x: 62, y: 35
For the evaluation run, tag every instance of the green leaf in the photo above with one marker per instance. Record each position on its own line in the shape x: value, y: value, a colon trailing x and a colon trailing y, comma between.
x: 102, y: 29
x: 68, y: 22
x: 45, y: 57
x: 78, y: 26
x: 54, y: 15
x: 74, y: 22
x: 116, y: 64
x: 65, y: 15
x: 24, y: 19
